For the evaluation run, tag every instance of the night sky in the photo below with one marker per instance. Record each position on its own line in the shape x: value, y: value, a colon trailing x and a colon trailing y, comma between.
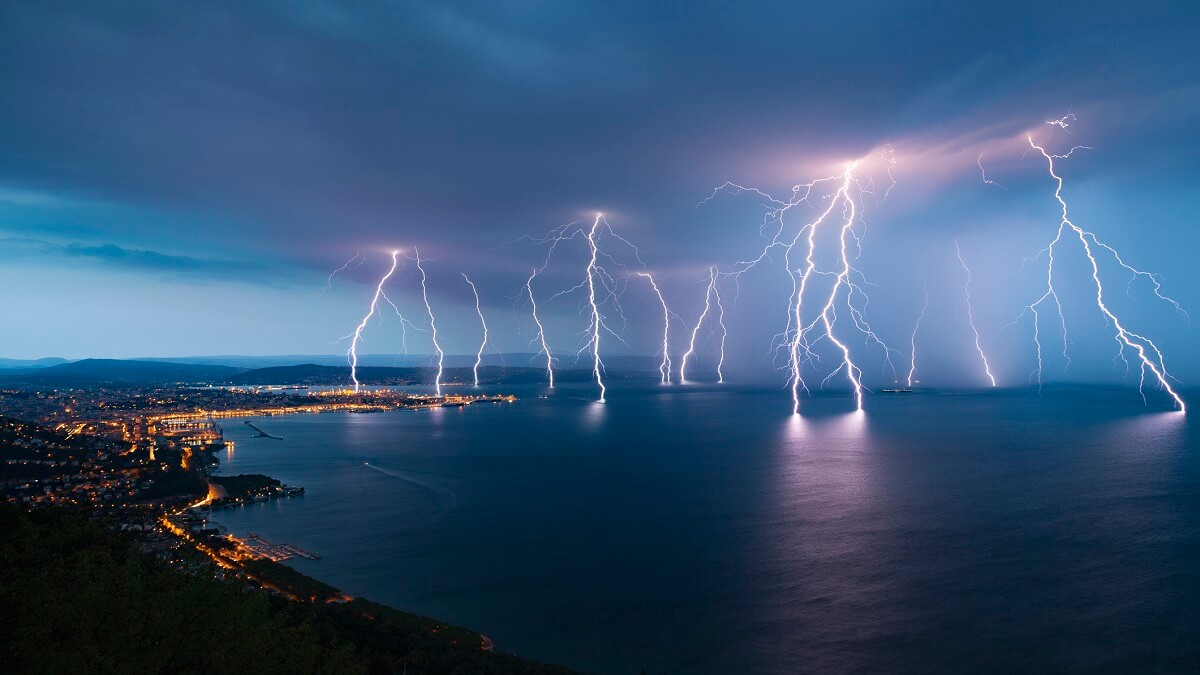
x: 180, y: 178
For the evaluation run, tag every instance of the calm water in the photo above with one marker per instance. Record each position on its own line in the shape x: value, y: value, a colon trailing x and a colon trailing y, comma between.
x: 705, y: 530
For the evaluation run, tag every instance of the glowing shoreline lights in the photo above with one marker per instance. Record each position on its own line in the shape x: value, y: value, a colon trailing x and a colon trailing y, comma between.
x: 826, y: 301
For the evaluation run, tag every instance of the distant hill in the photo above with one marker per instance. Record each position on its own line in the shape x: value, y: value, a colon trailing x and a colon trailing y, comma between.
x: 146, y: 372
x: 317, y: 375
x: 30, y: 363
x: 91, y: 372
x: 507, y: 359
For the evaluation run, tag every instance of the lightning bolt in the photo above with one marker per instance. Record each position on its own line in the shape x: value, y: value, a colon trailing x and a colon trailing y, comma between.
x: 971, y: 314
x: 664, y: 368
x: 555, y: 237
x: 352, y: 353
x: 596, y: 320
x: 437, y: 382
x: 708, y: 292
x: 912, y: 369
x: 843, y: 190
x: 716, y: 289
x: 983, y: 174
x: 349, y: 265
x: 1148, y: 353
x: 483, y: 322
x: 541, y: 330
x: 600, y: 286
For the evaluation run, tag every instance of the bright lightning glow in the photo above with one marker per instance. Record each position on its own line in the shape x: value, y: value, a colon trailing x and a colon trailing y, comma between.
x: 437, y: 382
x: 1148, y: 354
x: 912, y: 369
x: 603, y: 289
x: 595, y: 325
x: 483, y: 322
x: 664, y: 368
x: 853, y: 373
x: 971, y: 314
x: 716, y: 289
x: 708, y: 292
x: 353, y: 352
x: 799, y: 338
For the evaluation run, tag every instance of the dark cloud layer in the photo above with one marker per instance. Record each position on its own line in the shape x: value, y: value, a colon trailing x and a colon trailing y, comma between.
x: 155, y: 262
x: 328, y: 117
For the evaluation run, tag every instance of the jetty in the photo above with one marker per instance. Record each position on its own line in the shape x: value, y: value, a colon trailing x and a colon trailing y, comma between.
x: 275, y: 552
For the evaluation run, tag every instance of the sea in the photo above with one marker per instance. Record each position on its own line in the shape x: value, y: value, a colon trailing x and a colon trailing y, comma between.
x: 706, y: 529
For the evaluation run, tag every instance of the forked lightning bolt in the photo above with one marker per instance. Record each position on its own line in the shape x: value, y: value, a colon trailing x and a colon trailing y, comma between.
x: 971, y: 314
x: 716, y: 289
x: 597, y: 320
x: 691, y: 350
x: 1148, y: 354
x: 541, y: 330
x: 664, y: 367
x: 843, y: 190
x: 352, y: 354
x: 601, y: 288
x: 912, y: 368
x: 437, y: 382
x: 483, y: 322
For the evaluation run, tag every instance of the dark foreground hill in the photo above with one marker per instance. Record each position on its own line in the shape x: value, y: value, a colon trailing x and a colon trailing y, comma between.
x: 76, y: 597
x: 90, y: 372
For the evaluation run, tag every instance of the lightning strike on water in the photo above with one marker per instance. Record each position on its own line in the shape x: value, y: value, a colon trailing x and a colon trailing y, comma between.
x: 716, y: 288
x: 708, y: 293
x: 798, y: 337
x: 555, y: 237
x: 541, y: 331
x: 437, y: 382
x: 1148, y: 353
x: 912, y: 369
x: 597, y: 319
x: 664, y: 368
x: 483, y: 322
x: 971, y: 314
x: 601, y: 287
x: 357, y: 334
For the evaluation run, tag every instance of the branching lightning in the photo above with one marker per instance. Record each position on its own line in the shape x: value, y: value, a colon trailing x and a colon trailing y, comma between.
x: 984, y: 176
x: 716, y: 290
x: 483, y: 322
x: 825, y: 286
x: 1149, y: 356
x: 541, y: 330
x: 912, y: 368
x: 664, y: 368
x: 971, y: 314
x: 437, y: 382
x: 844, y: 190
x: 597, y: 320
x: 351, y: 264
x: 352, y: 354
x: 708, y: 296
x: 601, y: 290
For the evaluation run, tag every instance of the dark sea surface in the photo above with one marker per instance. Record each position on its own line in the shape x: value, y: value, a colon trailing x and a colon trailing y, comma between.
x: 706, y: 530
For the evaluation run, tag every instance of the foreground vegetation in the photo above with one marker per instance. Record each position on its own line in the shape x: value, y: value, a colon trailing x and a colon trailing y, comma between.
x: 78, y: 597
